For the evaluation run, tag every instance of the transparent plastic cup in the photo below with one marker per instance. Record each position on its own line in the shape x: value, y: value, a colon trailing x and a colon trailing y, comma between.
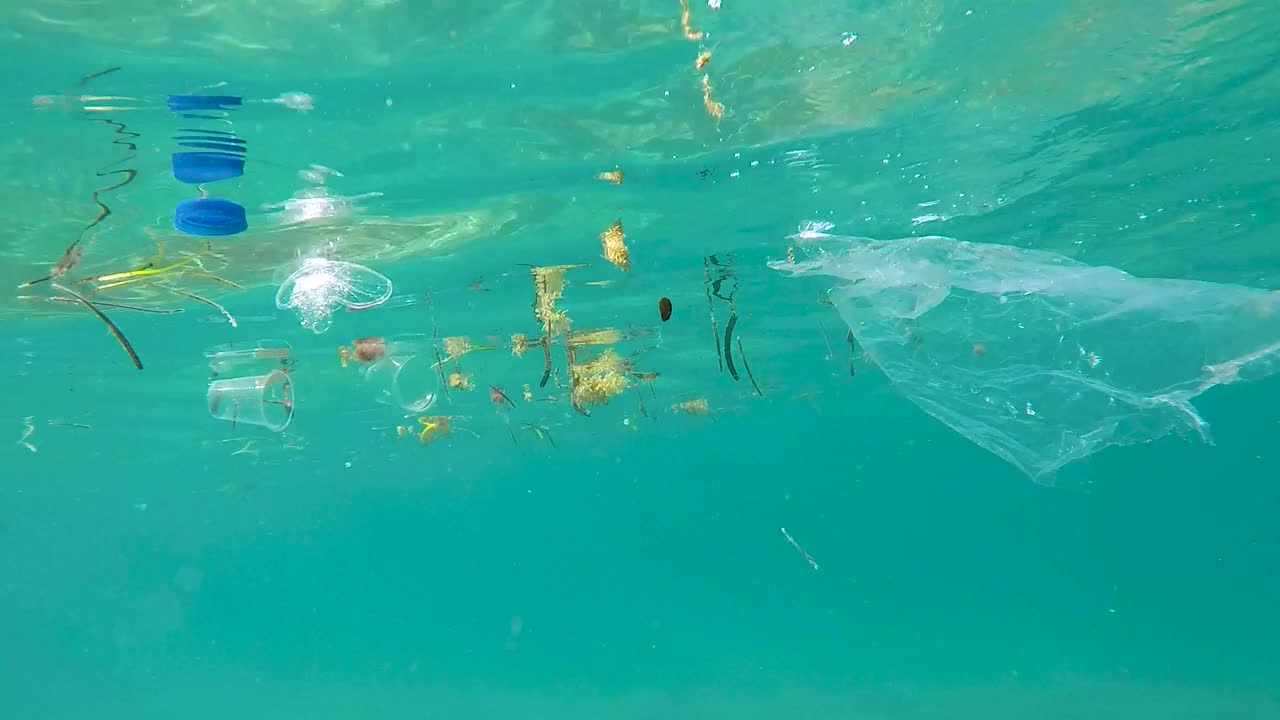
x: 263, y: 353
x: 410, y: 382
x: 264, y: 400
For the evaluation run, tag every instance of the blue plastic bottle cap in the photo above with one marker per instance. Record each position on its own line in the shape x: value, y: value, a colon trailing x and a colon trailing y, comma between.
x: 204, y: 167
x: 209, y: 217
x: 179, y: 103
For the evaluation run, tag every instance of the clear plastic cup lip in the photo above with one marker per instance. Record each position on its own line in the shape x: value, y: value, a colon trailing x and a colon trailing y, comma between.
x: 263, y: 400
x: 227, y: 357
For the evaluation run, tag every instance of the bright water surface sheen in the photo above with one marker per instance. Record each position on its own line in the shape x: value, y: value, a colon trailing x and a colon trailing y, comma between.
x: 157, y: 563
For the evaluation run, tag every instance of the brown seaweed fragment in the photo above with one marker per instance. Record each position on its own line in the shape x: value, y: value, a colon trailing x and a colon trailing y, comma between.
x: 115, y: 331
x: 713, y: 108
x: 459, y: 380
x: 686, y: 23
x: 598, y: 379
x: 746, y: 366
x: 728, y: 345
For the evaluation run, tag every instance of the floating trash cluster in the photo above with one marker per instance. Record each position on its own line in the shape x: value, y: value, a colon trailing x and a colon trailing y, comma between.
x: 1037, y: 358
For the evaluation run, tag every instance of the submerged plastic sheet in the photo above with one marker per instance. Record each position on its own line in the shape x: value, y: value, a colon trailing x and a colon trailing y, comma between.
x: 320, y: 286
x: 1039, y: 358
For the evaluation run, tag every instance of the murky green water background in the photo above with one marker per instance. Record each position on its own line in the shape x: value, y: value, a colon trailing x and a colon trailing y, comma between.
x: 159, y: 563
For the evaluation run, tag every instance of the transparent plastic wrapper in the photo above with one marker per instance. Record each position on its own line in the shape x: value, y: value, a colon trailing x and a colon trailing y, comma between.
x: 1036, y: 357
x: 321, y: 286
x: 404, y: 373
x: 265, y: 400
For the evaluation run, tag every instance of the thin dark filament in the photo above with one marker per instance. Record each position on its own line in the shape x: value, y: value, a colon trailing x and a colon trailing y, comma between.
x: 115, y: 331
x: 98, y: 74
x: 746, y: 366
x: 728, y: 345
x: 121, y: 306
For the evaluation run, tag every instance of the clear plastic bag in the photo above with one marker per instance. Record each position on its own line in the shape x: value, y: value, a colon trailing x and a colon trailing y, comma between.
x: 1038, y: 358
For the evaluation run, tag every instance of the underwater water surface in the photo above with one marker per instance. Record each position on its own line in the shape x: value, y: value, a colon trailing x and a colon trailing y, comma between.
x: 886, y: 360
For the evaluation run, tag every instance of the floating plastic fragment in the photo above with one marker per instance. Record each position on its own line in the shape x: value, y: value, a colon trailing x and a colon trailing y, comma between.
x: 1039, y: 358
x: 317, y: 174
x: 197, y: 168
x: 209, y: 217
x: 317, y: 204
x: 265, y: 400
x: 186, y: 103
x: 320, y: 286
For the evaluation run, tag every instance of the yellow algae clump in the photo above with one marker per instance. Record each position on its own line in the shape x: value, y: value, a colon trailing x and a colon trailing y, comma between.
x: 519, y: 344
x: 604, y: 336
x: 615, y: 249
x: 459, y: 380
x: 548, y: 286
x: 599, y: 379
x: 455, y: 347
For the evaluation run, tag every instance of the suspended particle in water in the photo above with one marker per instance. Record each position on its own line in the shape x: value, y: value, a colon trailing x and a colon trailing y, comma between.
x: 299, y: 101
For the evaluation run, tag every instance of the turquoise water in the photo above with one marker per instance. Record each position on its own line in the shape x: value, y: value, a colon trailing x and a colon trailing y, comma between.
x: 160, y: 563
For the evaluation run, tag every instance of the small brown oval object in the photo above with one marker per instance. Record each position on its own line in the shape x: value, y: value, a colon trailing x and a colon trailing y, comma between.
x: 664, y: 309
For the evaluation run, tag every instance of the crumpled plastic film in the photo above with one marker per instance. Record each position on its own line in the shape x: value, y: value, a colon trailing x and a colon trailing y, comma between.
x: 1038, y: 358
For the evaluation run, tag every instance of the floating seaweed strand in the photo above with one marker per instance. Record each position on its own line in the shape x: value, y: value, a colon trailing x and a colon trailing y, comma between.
x: 716, y: 287
x: 747, y: 366
x: 711, y: 311
x: 728, y: 344
x: 71, y: 256
x: 115, y: 331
